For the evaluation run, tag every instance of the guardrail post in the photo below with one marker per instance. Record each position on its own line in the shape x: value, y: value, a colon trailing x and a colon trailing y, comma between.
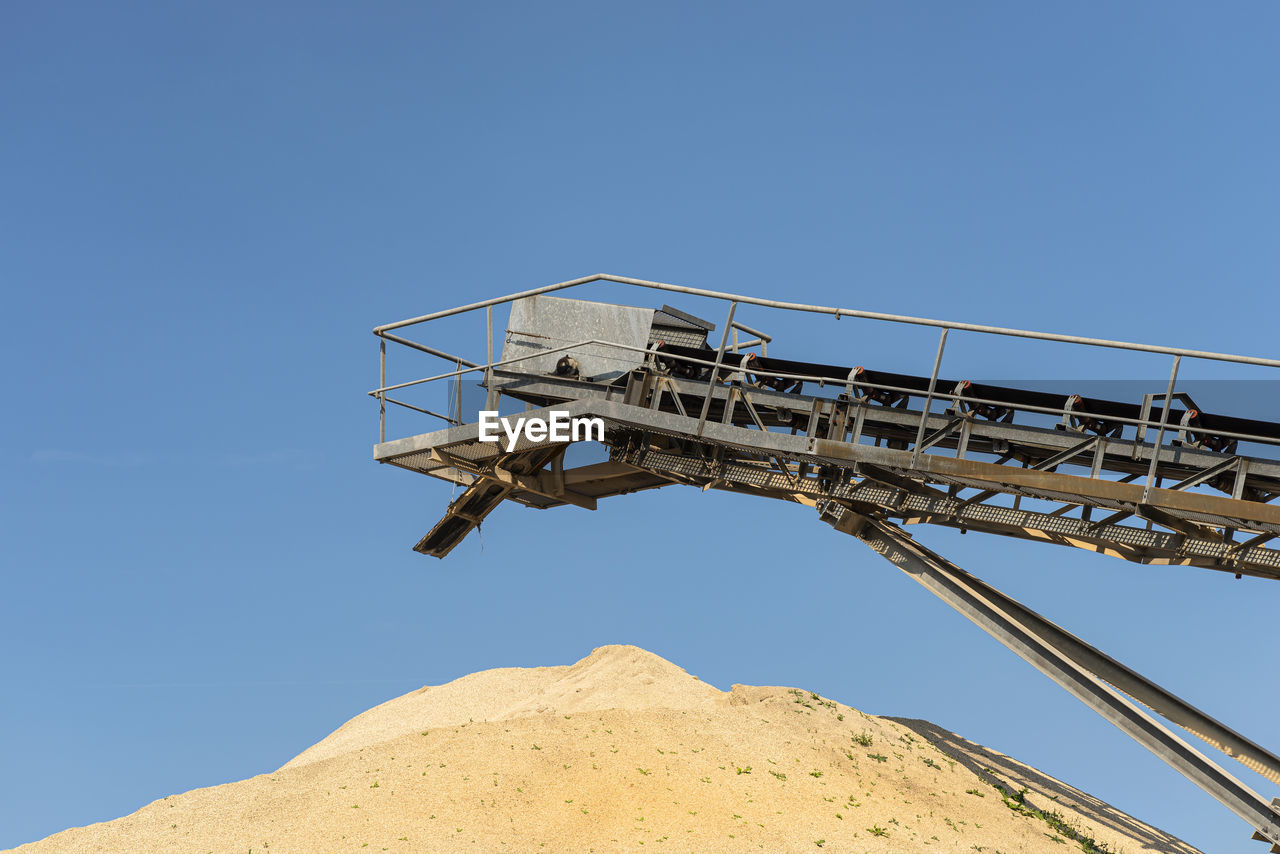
x: 491, y: 395
x: 382, y: 383
x: 711, y: 384
x: 928, y: 398
x: 1164, y: 421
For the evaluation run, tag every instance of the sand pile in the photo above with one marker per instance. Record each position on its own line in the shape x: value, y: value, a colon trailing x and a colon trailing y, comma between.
x: 624, y: 751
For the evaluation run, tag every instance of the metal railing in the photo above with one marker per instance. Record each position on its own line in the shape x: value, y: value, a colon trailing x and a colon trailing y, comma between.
x: 729, y: 347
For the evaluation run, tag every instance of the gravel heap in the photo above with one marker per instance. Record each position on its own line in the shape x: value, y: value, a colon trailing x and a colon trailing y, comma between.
x: 624, y: 751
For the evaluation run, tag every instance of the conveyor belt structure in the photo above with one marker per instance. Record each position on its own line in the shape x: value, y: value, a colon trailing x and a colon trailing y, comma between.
x: 1161, y: 481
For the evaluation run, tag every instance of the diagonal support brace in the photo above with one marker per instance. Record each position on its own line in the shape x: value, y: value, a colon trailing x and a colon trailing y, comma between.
x: 1073, y: 664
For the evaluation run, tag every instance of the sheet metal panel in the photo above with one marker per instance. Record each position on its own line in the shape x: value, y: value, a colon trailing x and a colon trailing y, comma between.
x: 543, y: 323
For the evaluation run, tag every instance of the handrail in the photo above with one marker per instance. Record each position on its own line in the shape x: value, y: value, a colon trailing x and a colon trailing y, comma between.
x: 837, y: 313
x: 822, y: 381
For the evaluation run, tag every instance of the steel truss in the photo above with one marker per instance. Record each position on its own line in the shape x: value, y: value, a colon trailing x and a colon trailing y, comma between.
x: 855, y: 450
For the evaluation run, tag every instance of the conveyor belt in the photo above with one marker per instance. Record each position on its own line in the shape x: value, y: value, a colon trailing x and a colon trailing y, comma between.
x: 1098, y: 415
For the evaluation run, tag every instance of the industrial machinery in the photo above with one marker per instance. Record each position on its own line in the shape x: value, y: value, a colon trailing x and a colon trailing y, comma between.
x: 1157, y: 481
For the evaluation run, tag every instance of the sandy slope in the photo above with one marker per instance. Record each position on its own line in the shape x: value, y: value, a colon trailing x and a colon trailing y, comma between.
x: 622, y: 751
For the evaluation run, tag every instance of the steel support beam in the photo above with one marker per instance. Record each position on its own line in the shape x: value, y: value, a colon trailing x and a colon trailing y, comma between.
x: 1073, y: 665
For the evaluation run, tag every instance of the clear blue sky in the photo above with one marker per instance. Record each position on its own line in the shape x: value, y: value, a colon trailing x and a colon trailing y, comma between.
x: 204, y: 208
